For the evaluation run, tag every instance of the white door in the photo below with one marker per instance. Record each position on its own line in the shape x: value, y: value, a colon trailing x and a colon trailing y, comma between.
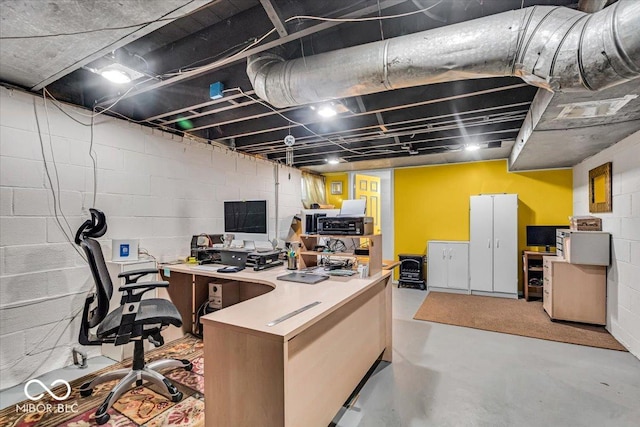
x: 505, y: 243
x: 458, y: 268
x: 437, y: 265
x: 481, y: 243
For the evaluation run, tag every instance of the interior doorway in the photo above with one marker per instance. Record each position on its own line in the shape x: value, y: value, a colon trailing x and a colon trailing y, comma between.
x: 382, y: 201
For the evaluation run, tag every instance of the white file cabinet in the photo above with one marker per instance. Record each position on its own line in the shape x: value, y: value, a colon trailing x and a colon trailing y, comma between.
x: 448, y: 266
x: 118, y: 353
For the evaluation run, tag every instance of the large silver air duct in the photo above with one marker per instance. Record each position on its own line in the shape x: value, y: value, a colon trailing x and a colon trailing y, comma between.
x: 551, y: 47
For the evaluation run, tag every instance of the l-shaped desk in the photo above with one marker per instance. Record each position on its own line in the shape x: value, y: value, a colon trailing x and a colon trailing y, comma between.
x: 284, y: 354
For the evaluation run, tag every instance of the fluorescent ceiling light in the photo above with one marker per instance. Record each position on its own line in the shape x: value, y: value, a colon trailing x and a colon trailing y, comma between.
x: 333, y: 161
x: 327, y: 111
x: 590, y: 109
x: 118, y: 73
x: 472, y: 147
x: 115, y: 76
x: 330, y: 109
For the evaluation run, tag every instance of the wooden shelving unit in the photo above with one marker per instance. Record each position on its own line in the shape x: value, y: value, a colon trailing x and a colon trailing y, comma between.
x: 533, y: 273
x: 307, y: 257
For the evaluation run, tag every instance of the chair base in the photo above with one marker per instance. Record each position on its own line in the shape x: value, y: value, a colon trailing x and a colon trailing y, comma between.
x: 128, y: 377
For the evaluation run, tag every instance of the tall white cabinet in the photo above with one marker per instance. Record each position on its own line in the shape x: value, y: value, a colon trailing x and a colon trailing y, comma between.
x: 493, y: 247
x: 448, y: 266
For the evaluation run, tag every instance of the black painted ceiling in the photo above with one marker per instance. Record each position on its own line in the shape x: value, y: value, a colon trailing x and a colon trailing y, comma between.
x: 421, y: 120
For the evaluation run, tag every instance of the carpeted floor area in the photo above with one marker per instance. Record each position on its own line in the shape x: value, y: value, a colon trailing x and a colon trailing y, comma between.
x: 139, y: 406
x: 510, y: 316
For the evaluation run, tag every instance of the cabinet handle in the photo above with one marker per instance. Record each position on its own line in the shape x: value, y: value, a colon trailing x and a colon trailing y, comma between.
x: 489, y: 243
x: 444, y: 254
x: 450, y: 253
x: 497, y: 243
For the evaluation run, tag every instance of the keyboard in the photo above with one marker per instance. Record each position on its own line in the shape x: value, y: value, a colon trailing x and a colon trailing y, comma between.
x: 341, y: 272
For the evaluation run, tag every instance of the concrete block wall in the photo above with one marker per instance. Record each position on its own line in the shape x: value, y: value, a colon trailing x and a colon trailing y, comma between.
x: 159, y: 188
x: 623, y: 276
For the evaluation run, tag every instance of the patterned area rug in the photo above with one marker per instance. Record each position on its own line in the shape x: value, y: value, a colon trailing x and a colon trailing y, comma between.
x: 139, y: 406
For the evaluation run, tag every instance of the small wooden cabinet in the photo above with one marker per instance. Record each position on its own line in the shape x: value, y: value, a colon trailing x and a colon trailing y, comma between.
x: 532, y: 273
x: 574, y: 292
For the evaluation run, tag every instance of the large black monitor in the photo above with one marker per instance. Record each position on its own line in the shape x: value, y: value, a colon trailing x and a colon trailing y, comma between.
x: 543, y: 235
x: 245, y: 216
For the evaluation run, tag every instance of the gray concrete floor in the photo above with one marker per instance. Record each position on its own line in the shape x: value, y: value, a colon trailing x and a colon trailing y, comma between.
x: 445, y: 375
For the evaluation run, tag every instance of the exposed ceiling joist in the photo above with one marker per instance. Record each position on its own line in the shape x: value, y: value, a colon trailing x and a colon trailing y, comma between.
x: 246, y: 53
x: 153, y: 19
x: 275, y: 16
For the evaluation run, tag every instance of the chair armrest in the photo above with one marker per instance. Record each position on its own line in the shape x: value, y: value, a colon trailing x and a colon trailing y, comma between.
x: 135, y: 275
x: 129, y: 296
x: 142, y: 285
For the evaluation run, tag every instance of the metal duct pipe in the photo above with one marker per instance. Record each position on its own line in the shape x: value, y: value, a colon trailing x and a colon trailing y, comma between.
x: 551, y: 47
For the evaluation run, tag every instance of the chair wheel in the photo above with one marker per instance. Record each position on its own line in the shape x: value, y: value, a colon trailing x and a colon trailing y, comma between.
x: 188, y: 366
x: 85, y: 390
x: 102, y: 419
x: 177, y: 397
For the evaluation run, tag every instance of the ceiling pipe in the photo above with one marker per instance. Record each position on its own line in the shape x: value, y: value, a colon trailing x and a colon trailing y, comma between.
x: 555, y: 48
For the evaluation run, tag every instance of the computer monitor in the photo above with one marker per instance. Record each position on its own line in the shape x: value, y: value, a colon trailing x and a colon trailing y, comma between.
x: 245, y: 216
x: 543, y: 235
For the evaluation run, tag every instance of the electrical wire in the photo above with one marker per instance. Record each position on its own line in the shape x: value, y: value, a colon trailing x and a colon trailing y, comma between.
x: 218, y: 55
x: 259, y: 40
x: 44, y: 338
x: 91, y: 125
x: 373, y: 18
x: 55, y: 167
x: 94, y: 161
x: 143, y: 251
x: 53, y: 192
x: 74, y: 33
x: 380, y: 21
x: 102, y: 111
x: 259, y: 101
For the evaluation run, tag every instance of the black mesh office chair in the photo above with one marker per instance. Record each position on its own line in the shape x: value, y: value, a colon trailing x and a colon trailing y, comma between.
x: 135, y: 320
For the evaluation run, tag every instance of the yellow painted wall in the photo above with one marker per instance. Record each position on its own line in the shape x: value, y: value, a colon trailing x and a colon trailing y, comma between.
x: 432, y: 202
x: 336, y: 199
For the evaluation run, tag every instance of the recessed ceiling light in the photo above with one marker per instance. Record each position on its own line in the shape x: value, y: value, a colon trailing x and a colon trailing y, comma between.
x: 327, y: 111
x: 472, y: 147
x: 333, y: 161
x: 118, y: 73
x: 115, y: 76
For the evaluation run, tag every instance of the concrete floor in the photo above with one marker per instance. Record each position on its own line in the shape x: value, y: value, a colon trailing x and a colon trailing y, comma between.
x: 445, y: 375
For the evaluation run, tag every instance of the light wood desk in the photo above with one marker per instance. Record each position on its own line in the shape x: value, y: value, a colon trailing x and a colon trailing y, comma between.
x: 297, y: 372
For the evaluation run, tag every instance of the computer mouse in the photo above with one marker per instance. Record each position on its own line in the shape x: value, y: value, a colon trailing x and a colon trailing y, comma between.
x: 230, y: 269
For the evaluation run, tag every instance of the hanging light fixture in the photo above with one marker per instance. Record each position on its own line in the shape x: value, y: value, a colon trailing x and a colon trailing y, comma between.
x: 289, y: 140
